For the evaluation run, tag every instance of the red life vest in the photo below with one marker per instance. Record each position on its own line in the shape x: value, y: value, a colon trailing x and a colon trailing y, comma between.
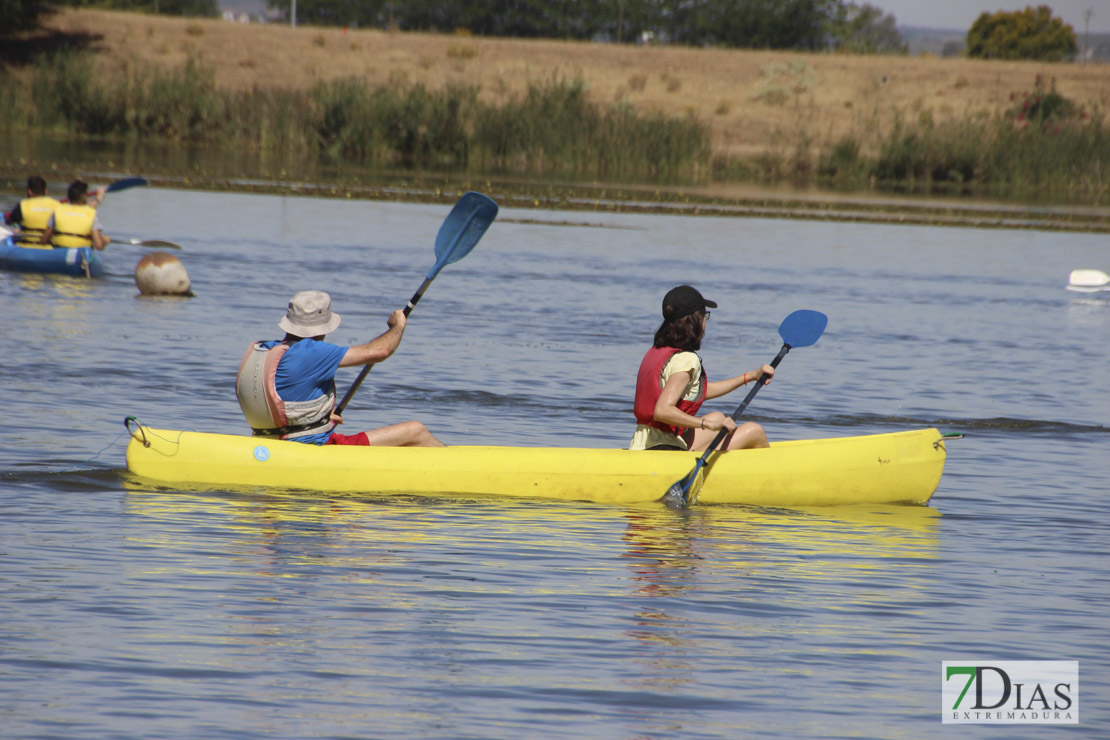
x: 649, y: 387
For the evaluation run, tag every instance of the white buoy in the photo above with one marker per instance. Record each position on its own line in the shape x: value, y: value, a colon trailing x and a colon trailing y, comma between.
x: 1088, y: 281
x: 159, y: 273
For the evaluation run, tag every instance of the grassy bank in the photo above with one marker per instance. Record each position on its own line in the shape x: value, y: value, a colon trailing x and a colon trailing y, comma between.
x: 552, y: 129
x: 603, y: 113
x: 1042, y: 146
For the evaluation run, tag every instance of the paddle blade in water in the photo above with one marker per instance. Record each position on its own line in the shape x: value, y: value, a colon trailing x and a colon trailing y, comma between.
x: 463, y: 227
x: 678, y: 495
x: 675, y: 497
x: 803, y: 328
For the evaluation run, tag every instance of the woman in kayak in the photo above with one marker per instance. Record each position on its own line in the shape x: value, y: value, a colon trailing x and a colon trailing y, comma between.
x: 672, y: 385
x: 286, y: 387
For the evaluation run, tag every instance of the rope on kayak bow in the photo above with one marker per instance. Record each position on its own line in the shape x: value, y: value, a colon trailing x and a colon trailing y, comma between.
x: 84, y: 465
x: 138, y: 433
x: 947, y: 436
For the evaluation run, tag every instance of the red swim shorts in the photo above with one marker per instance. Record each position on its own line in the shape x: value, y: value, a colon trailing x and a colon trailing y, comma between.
x: 355, y: 439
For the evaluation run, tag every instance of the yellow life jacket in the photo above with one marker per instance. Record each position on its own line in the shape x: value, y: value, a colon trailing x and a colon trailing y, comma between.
x: 73, y: 225
x: 34, y: 216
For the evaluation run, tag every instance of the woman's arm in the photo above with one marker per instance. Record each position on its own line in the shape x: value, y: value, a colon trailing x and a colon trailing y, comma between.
x: 718, y: 388
x: 667, y: 411
x: 666, y: 407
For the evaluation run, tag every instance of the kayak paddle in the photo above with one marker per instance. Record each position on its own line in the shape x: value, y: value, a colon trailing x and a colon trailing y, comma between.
x: 121, y: 184
x: 127, y: 182
x: 799, y: 329
x: 460, y: 232
x: 155, y: 243
x: 115, y: 187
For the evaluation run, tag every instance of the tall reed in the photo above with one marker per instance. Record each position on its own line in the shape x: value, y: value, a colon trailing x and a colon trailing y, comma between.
x: 1050, y: 155
x: 552, y: 128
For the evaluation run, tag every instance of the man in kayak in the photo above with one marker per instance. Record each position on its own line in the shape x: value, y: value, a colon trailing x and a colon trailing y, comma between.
x: 32, y: 213
x: 75, y: 223
x: 286, y: 388
x: 671, y: 384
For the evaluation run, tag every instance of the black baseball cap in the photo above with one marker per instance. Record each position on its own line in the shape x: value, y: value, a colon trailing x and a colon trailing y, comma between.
x: 683, y: 301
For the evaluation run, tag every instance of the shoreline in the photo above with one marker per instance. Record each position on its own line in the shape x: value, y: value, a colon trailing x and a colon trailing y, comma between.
x: 725, y: 200
x: 787, y: 139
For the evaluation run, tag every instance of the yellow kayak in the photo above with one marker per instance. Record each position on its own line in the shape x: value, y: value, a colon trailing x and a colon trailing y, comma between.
x: 899, y: 467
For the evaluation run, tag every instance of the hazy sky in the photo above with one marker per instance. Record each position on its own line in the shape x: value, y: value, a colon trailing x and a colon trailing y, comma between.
x: 960, y: 14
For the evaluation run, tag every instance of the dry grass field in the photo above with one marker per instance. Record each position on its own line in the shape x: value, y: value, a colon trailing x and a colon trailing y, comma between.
x: 753, y: 100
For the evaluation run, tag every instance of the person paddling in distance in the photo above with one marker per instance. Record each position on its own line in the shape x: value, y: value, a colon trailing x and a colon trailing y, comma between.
x: 672, y: 384
x: 286, y: 387
x: 33, y: 213
x: 76, y: 223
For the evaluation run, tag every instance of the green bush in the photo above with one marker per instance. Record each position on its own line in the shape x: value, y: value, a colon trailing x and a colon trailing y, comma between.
x: 1023, y: 34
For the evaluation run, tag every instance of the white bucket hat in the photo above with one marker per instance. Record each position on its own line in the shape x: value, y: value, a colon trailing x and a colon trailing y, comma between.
x: 310, y: 315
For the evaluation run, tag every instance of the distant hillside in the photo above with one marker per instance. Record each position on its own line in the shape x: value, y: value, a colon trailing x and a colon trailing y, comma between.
x: 940, y: 42
x: 253, y: 8
x: 1099, y: 45
x: 753, y: 101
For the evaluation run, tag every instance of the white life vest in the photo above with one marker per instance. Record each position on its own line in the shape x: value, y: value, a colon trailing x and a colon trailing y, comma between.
x: 266, y: 412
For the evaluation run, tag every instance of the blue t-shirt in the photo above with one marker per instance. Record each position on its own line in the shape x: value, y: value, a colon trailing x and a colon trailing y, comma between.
x: 306, y: 372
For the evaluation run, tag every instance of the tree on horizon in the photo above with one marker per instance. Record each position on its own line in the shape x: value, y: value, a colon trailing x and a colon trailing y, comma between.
x: 1032, y: 34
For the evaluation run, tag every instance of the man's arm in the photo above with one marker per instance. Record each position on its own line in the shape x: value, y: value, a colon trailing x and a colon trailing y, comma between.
x: 379, y: 348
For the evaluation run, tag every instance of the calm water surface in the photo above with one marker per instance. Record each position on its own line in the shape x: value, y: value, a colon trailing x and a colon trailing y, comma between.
x: 132, y: 611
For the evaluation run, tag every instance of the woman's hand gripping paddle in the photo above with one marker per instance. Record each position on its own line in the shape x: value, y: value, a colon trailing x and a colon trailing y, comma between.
x: 799, y: 329
x: 460, y: 232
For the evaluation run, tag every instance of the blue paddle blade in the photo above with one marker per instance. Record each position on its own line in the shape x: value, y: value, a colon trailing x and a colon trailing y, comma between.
x: 127, y: 182
x: 803, y: 328
x: 463, y: 227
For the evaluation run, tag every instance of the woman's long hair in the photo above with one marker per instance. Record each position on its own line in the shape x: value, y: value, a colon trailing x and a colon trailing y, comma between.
x: 685, y: 333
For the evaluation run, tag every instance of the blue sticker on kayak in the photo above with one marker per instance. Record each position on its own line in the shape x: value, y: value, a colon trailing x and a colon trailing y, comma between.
x: 261, y: 454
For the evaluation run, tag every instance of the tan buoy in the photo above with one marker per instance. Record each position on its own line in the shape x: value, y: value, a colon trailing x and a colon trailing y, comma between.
x: 159, y: 273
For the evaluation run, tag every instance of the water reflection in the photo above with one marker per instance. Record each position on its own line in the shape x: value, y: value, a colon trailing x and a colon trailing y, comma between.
x: 434, y: 573
x: 773, y: 565
x: 1089, y: 311
x: 60, y: 285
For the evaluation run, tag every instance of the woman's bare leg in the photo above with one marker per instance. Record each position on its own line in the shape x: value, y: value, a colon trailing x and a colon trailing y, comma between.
x: 748, y: 435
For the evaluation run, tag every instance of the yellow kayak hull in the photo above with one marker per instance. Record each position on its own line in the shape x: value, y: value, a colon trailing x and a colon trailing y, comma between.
x: 899, y: 467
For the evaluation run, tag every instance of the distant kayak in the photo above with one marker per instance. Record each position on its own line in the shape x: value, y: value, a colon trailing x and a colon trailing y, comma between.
x: 79, y: 262
x: 898, y: 467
